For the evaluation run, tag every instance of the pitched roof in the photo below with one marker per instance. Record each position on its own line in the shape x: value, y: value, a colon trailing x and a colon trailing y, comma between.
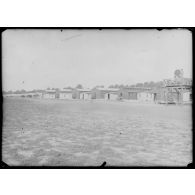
x: 84, y: 90
x: 50, y: 91
x: 136, y: 89
x: 108, y: 89
x: 65, y: 90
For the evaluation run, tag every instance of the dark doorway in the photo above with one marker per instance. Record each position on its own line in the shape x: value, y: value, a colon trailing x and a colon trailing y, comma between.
x: 108, y: 96
x: 155, y: 96
x: 83, y: 96
x: 190, y: 97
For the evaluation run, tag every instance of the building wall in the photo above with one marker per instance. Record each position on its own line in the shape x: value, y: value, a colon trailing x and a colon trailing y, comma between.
x: 123, y: 94
x: 49, y: 95
x: 37, y: 95
x: 132, y: 95
x: 85, y: 96
x: 75, y: 94
x: 178, y: 94
x: 65, y: 96
x: 98, y: 94
x: 159, y: 96
x: 111, y: 96
x: 187, y: 97
x: 128, y: 95
x: 144, y: 96
x: 175, y: 96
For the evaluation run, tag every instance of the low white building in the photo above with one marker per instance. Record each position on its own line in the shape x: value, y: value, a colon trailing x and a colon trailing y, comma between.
x: 105, y: 93
x: 111, y: 95
x: 49, y: 94
x: 187, y: 96
x: 145, y: 96
x: 65, y: 94
x: 84, y: 94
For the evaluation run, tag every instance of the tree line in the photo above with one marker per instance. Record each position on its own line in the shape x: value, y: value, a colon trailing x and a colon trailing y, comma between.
x: 150, y: 84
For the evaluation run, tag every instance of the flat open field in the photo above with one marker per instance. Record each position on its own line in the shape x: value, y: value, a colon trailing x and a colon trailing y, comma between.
x: 39, y: 132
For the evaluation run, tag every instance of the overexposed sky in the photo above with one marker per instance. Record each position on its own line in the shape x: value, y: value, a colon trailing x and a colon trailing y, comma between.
x: 37, y: 59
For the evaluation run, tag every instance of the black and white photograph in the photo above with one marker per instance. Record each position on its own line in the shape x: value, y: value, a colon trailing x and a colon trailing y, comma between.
x: 97, y: 97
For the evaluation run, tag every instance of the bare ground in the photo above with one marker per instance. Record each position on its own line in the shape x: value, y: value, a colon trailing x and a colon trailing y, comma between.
x: 87, y: 133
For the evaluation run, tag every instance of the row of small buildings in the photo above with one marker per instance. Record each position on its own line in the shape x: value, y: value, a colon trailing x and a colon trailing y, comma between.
x: 161, y: 95
x: 174, y: 94
x: 177, y: 90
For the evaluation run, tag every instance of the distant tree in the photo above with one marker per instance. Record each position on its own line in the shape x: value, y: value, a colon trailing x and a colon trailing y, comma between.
x: 23, y: 91
x: 159, y: 84
x: 79, y: 86
x: 116, y: 86
x: 48, y: 88
x: 139, y: 85
x: 99, y: 86
x: 151, y: 84
x: 146, y: 84
x: 121, y: 86
x: 111, y: 86
x: 17, y: 92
